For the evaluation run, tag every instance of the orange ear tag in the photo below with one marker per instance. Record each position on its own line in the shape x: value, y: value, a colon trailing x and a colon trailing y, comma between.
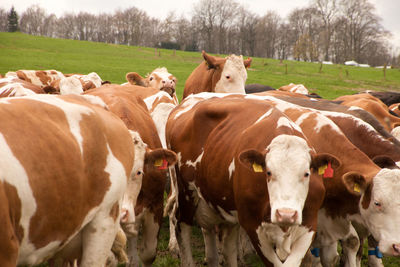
x: 322, y: 169
x: 257, y: 167
x: 357, y: 188
x: 164, y: 165
x: 328, y: 171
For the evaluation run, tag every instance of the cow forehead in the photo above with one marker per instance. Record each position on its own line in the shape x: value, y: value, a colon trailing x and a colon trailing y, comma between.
x: 234, y: 64
x: 387, y: 185
x: 287, y: 150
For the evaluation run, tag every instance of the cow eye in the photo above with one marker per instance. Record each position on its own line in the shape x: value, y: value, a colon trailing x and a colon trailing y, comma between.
x: 139, y: 173
x: 378, y: 204
x: 228, y: 77
x: 306, y: 174
x: 269, y: 173
x: 151, y: 78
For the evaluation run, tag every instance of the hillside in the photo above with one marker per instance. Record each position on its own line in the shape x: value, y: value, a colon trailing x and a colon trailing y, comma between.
x: 112, y: 62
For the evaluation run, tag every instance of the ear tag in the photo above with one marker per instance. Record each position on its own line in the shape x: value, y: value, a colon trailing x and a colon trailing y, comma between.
x: 357, y: 188
x: 328, y: 171
x: 158, y: 163
x: 321, y: 170
x: 164, y: 165
x: 257, y: 167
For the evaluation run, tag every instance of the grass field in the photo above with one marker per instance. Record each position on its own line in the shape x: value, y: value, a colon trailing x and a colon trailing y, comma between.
x: 112, y: 62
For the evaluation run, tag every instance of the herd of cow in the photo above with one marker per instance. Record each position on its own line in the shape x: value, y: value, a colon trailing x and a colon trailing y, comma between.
x: 283, y: 172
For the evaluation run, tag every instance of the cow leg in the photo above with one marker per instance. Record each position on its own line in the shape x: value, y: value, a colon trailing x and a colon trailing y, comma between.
x: 329, y: 255
x: 132, y: 251
x: 373, y: 260
x: 97, y: 239
x: 210, y: 243
x: 170, y: 210
x: 350, y: 247
x: 183, y: 233
x: 230, y: 245
x: 299, y: 249
x: 148, y: 243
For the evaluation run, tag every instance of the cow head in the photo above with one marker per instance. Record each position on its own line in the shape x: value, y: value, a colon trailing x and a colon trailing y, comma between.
x: 379, y: 206
x: 231, y: 74
x: 160, y: 79
x: 288, y: 165
x: 145, y: 158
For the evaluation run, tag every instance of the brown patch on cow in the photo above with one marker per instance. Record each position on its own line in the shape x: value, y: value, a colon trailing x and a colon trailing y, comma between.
x: 114, y: 212
x: 366, y: 200
x: 134, y: 78
x: 352, y: 242
x: 87, y: 85
x: 11, y: 231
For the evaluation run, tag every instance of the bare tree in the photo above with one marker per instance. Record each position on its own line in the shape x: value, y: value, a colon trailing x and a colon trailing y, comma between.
x: 247, y: 25
x: 327, y: 10
x: 3, y: 20
x: 32, y: 20
x: 268, y: 32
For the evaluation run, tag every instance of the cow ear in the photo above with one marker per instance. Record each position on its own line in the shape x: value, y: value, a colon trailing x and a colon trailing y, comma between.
x: 321, y: 160
x: 135, y: 79
x: 247, y: 62
x: 253, y: 160
x: 355, y: 183
x: 385, y: 162
x: 51, y: 90
x: 211, y: 61
x: 160, y: 158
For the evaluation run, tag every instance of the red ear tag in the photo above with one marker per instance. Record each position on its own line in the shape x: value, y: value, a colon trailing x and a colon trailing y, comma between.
x: 164, y: 165
x: 328, y: 171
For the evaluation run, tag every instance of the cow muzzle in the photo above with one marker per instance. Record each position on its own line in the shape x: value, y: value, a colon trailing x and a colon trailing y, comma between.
x: 169, y: 90
x: 396, y: 250
x: 127, y: 221
x: 286, y: 217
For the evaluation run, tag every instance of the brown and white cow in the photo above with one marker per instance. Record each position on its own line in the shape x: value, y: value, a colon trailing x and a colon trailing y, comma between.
x: 220, y: 75
x: 13, y: 86
x: 37, y: 77
x: 159, y: 78
x: 364, y: 192
x: 231, y: 172
x: 74, y: 83
x: 132, y: 106
x: 374, y: 106
x: 295, y: 88
x: 47, y: 206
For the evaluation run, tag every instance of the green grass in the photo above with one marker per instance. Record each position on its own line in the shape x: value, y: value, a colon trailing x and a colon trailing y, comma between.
x: 112, y: 62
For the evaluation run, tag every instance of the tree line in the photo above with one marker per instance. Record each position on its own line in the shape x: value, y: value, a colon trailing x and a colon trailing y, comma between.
x: 330, y: 30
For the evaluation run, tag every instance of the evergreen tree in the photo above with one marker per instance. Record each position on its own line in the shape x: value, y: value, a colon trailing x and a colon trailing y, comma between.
x: 12, y: 20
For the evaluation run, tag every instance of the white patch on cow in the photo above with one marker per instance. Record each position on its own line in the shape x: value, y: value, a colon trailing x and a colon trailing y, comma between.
x: 299, y: 88
x: 11, y: 74
x: 230, y: 216
x: 149, y: 101
x: 95, y: 100
x: 70, y: 85
x: 233, y: 76
x: 264, y: 116
x: 179, y: 159
x: 231, y: 168
x: 93, y: 77
x: 13, y: 172
x: 187, y: 105
x: 355, y: 108
x: 73, y: 113
x: 160, y: 117
x: 320, y: 120
x: 136, y: 177
x: 396, y: 132
x: 15, y: 90
x: 382, y: 217
x: 198, y: 160
x: 290, y: 246
x: 295, y: 153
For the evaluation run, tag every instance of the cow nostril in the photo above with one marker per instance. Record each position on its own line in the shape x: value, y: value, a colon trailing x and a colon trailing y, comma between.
x: 396, y: 248
x: 124, y: 215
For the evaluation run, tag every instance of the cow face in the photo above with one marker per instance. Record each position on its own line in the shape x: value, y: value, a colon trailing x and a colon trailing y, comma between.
x: 160, y: 79
x: 288, y: 165
x: 148, y: 159
x: 379, y: 206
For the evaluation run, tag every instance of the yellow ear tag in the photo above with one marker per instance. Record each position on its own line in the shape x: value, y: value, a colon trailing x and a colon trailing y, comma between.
x: 357, y: 188
x: 257, y: 167
x: 321, y: 170
x: 158, y: 163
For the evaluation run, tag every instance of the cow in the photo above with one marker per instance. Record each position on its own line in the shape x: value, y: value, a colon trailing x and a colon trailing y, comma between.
x: 388, y: 98
x: 37, y: 77
x: 49, y: 207
x: 374, y: 106
x: 295, y: 88
x: 159, y: 78
x: 13, y: 86
x: 220, y: 75
x: 257, y: 88
x: 74, y: 84
x: 363, y: 190
x: 129, y: 103
x: 230, y: 173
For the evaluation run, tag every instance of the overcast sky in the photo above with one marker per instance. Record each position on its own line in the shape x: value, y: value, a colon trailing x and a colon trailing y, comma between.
x: 388, y: 10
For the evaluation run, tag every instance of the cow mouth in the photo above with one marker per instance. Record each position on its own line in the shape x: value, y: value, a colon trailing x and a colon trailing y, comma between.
x: 169, y: 90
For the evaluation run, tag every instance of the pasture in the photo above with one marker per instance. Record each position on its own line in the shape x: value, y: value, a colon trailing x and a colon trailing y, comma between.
x: 112, y: 62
